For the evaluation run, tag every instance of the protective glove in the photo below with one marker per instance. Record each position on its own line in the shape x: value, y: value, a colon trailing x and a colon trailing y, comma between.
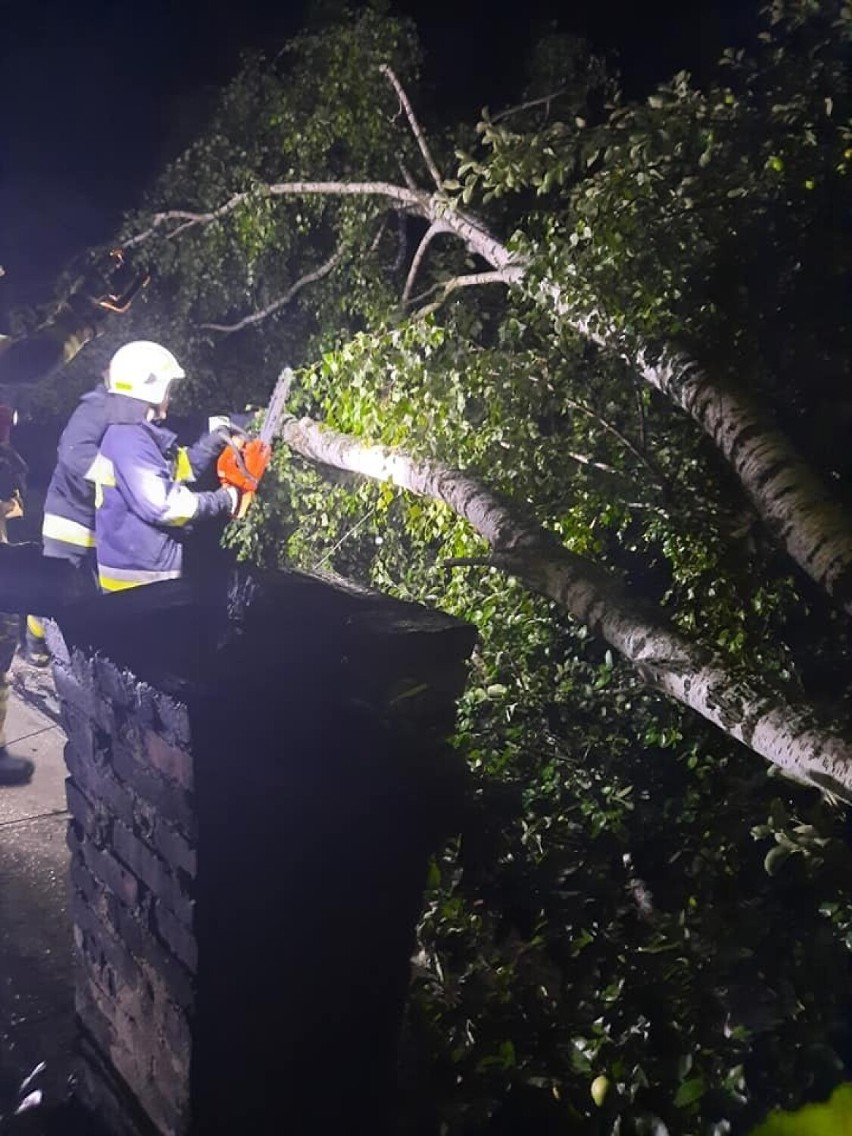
x: 233, y: 498
x: 204, y: 453
x: 230, y: 433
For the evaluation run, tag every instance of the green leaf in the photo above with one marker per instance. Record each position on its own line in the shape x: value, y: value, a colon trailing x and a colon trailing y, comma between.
x: 775, y: 857
x: 833, y: 1118
x: 689, y: 1092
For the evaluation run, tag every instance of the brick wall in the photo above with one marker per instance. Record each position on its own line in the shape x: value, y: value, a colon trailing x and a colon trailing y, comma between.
x: 133, y: 864
x: 251, y: 821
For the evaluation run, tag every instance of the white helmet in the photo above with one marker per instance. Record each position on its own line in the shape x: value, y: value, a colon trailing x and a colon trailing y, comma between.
x: 143, y: 370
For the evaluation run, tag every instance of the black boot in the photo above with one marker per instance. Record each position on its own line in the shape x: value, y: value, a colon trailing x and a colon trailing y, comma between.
x: 14, y: 770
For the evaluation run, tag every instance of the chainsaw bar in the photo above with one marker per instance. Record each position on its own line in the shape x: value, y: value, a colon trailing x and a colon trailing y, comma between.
x: 275, y: 410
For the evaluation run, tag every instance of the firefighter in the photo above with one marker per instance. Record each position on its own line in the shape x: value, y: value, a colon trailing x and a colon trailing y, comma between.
x: 24, y: 360
x: 30, y: 359
x: 13, y: 473
x: 144, y: 503
x: 68, y: 527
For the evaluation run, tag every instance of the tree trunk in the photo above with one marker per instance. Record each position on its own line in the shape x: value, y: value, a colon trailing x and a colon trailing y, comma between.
x: 794, y: 503
x: 789, y: 496
x: 784, y: 733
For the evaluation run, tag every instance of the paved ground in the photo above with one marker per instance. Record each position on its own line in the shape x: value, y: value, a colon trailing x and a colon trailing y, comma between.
x: 36, y: 998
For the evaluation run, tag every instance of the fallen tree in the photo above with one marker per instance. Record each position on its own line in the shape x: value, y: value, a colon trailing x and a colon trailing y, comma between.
x: 791, y: 497
x: 787, y: 735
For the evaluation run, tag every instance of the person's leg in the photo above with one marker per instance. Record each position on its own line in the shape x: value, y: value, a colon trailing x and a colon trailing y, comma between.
x: 13, y: 770
x: 35, y: 650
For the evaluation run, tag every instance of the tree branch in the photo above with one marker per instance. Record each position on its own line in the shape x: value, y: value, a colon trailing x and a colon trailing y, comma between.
x: 545, y: 100
x: 784, y: 732
x: 410, y: 198
x: 468, y: 562
x: 640, y: 410
x: 402, y: 247
x: 792, y: 500
x: 471, y: 280
x: 583, y: 459
x: 270, y: 309
x: 414, y: 124
x: 434, y: 229
x: 659, y: 480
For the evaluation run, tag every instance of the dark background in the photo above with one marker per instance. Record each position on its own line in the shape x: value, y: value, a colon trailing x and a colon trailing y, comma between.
x: 95, y: 95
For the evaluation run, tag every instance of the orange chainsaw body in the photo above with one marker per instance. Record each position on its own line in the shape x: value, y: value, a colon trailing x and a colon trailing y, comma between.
x: 242, y: 464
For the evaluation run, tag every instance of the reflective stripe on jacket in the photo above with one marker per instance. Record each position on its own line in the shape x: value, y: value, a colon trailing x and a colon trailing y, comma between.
x: 68, y: 530
x: 141, y: 506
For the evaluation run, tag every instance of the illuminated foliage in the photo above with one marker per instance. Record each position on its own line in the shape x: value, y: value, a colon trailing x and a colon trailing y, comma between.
x: 638, y: 931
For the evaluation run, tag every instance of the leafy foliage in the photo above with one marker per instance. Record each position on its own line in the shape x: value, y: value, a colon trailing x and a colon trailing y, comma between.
x: 637, y: 931
x: 833, y: 1117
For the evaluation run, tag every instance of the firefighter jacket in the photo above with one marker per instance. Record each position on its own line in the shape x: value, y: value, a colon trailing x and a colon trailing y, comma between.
x: 68, y: 529
x: 143, y: 502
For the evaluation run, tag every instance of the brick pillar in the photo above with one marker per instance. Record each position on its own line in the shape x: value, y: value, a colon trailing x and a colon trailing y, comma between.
x: 257, y: 778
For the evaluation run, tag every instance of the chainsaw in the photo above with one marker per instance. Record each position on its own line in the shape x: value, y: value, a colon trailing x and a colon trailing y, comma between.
x: 243, y: 463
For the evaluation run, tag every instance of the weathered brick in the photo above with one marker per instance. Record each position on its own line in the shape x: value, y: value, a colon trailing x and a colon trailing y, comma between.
x: 78, y: 805
x: 153, y: 871
x: 101, y: 785
x: 176, y: 935
x: 173, y: 717
x: 139, y: 1075
x: 83, y: 880
x: 98, y: 1025
x: 83, y: 668
x: 71, y: 693
x: 56, y: 643
x: 128, y: 928
x: 143, y: 704
x: 119, y: 686
x: 170, y: 760
x: 175, y: 1024
x: 111, y: 950
x: 174, y: 847
x: 171, y: 1074
x: 100, y: 975
x: 94, y: 818
x: 113, y: 873
x: 78, y: 729
x: 104, y: 866
x: 82, y: 696
x: 172, y: 802
x: 156, y: 960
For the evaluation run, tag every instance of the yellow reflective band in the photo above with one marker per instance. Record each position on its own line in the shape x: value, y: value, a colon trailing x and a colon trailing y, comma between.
x: 183, y: 468
x: 117, y: 579
x: 101, y: 471
x: 110, y: 585
x: 69, y: 532
x: 35, y: 627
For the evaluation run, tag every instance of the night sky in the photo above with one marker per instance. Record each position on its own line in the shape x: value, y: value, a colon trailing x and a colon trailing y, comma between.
x: 95, y: 94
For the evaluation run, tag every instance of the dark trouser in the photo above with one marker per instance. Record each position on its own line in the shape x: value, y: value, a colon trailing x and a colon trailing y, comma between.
x: 9, y: 631
x: 86, y: 564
